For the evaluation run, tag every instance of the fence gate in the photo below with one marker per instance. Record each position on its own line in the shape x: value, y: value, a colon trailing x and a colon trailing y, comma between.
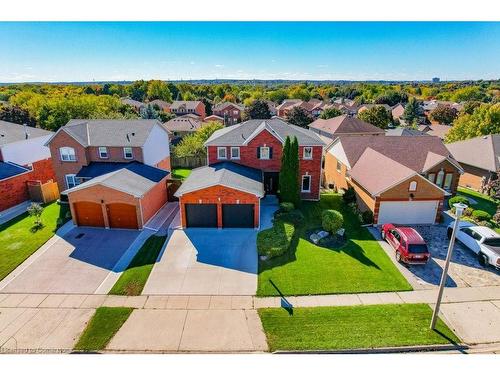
x: 44, y: 193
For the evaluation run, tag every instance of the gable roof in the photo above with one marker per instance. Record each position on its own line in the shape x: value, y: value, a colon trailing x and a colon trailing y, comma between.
x: 345, y: 124
x: 439, y: 130
x: 183, y: 123
x: 10, y: 132
x: 222, y: 106
x: 239, y: 135
x: 481, y: 152
x: 132, y: 102
x: 187, y: 104
x: 160, y: 103
x: 112, y: 133
x: 231, y: 175
x: 397, y: 132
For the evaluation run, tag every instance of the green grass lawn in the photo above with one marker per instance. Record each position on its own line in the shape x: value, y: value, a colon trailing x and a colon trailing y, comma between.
x: 352, y: 327
x: 484, y: 202
x: 133, y: 279
x: 102, y: 327
x: 181, y: 173
x: 361, y: 265
x: 19, y: 241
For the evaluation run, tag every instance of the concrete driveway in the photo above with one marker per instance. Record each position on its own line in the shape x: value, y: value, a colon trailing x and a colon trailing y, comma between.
x: 209, y: 261
x: 77, y: 263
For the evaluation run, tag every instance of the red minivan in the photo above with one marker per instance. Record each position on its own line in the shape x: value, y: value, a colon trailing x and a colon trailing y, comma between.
x: 408, y: 244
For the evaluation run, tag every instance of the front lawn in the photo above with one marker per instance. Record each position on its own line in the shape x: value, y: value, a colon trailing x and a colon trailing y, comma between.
x: 133, y: 279
x: 181, y: 173
x: 361, y: 265
x: 353, y: 327
x: 102, y: 327
x: 18, y: 240
x: 483, y: 202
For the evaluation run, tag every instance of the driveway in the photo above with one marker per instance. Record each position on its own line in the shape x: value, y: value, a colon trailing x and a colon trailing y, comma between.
x: 202, y: 261
x: 78, y: 262
x: 465, y: 270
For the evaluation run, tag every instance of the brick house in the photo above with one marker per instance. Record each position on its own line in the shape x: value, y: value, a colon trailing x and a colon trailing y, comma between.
x: 185, y: 107
x: 111, y: 169
x: 230, y: 112
x: 244, y: 162
x: 479, y: 158
x: 314, y: 107
x: 24, y: 159
x: 403, y: 180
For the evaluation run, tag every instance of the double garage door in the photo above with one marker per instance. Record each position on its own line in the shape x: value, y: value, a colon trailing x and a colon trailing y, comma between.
x: 120, y: 215
x: 233, y: 215
x: 415, y: 212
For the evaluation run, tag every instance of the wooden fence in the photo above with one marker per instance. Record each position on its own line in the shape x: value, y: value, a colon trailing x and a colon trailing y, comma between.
x: 188, y: 162
x: 44, y: 193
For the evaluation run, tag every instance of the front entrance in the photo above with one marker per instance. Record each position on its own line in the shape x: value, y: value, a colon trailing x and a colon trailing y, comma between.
x: 271, y: 182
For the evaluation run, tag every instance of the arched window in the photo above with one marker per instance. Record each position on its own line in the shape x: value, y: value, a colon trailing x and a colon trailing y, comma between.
x: 413, y: 186
x: 67, y: 153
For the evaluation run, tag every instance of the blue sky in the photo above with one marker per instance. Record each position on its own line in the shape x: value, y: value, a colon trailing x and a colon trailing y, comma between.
x: 87, y: 51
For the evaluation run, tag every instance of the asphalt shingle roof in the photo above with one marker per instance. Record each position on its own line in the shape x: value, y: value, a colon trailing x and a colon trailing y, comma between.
x: 8, y: 170
x: 10, y: 132
x: 227, y: 174
x: 96, y: 169
x: 345, y: 125
x: 481, y: 152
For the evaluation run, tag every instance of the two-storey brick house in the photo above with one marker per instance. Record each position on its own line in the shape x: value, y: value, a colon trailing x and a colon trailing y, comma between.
x: 230, y: 112
x: 244, y: 162
x: 113, y: 172
x: 185, y: 107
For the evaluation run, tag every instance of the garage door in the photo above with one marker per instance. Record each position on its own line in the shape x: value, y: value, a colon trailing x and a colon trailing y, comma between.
x: 201, y: 215
x: 416, y: 212
x: 238, y: 215
x: 88, y: 214
x: 122, y: 215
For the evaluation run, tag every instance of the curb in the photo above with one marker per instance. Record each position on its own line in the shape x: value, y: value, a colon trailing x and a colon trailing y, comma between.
x: 388, y: 350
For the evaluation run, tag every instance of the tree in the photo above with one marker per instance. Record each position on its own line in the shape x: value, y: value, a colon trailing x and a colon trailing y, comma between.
x: 377, y: 115
x: 150, y: 112
x: 470, y: 106
x: 158, y: 90
x: 258, y: 110
x: 443, y: 114
x: 137, y: 90
x: 277, y: 96
x: 484, y: 120
x: 35, y: 210
x: 284, y: 176
x: 392, y: 97
x: 16, y: 115
x: 293, y: 159
x: 330, y: 113
x: 412, y: 111
x: 194, y: 144
x: 299, y: 116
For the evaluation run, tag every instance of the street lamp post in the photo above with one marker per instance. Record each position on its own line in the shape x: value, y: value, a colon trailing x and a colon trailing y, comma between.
x: 459, y: 208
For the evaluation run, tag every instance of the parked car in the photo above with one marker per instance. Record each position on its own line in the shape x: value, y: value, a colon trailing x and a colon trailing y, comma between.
x: 408, y: 244
x: 483, y: 241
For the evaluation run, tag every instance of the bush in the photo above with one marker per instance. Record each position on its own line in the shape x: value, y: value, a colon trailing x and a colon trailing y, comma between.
x: 485, y: 224
x: 457, y: 199
x: 367, y: 217
x: 479, y: 215
x: 296, y: 217
x: 349, y: 195
x: 332, y: 220
x: 286, y: 207
x: 275, y: 241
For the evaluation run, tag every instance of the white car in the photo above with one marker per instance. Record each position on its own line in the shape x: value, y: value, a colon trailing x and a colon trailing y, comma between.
x: 483, y: 241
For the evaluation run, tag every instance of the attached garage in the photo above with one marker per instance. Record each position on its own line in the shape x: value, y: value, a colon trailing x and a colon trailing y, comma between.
x: 238, y: 215
x: 88, y: 214
x: 122, y: 215
x: 408, y: 212
x: 201, y: 215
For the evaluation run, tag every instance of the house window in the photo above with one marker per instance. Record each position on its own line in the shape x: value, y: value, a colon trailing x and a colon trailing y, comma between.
x: 70, y: 181
x: 447, y: 181
x: 265, y: 153
x: 67, y: 154
x: 339, y: 166
x: 413, y: 186
x: 221, y: 153
x: 307, y: 153
x: 439, y: 178
x: 235, y: 112
x: 103, y: 152
x: 431, y: 177
x: 127, y: 153
x: 235, y: 152
x: 306, y: 184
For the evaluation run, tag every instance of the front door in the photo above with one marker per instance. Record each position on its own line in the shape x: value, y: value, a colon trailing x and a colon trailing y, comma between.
x: 271, y: 182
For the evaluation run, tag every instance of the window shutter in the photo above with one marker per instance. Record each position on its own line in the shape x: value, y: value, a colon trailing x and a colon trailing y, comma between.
x: 258, y: 152
x: 270, y: 152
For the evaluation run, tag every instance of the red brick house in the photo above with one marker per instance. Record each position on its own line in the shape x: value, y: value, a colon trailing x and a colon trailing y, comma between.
x: 185, y: 107
x: 244, y: 162
x: 230, y: 112
x: 113, y: 172
x: 24, y: 160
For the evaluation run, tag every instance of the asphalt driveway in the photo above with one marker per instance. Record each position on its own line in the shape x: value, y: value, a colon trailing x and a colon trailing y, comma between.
x: 199, y: 261
x: 78, y: 262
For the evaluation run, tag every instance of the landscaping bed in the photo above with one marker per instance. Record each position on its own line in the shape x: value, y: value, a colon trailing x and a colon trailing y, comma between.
x: 479, y: 202
x: 353, y: 327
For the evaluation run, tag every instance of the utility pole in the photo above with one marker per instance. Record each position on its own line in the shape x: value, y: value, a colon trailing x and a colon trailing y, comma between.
x: 459, y: 208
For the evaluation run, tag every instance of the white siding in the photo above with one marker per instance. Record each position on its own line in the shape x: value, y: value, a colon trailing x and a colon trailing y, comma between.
x: 26, y: 152
x: 156, y: 147
x: 338, y: 151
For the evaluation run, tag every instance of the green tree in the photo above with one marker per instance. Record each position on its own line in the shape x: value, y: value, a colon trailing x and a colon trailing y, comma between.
x: 412, y: 111
x: 194, y: 144
x: 293, y: 159
x: 285, y: 176
x: 277, y: 96
x: 299, y: 116
x: 16, y: 115
x: 158, y: 90
x: 483, y: 121
x: 443, y: 114
x: 137, y: 90
x: 330, y: 113
x: 258, y: 110
x: 377, y: 115
x: 470, y: 106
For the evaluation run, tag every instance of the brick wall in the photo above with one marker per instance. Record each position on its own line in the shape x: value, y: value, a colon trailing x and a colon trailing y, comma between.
x: 332, y: 176
x: 165, y: 164
x: 115, y: 154
x: 473, y: 177
x: 448, y: 168
x: 154, y: 199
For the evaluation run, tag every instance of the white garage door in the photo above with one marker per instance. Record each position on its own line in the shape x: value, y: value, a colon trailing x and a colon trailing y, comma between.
x: 416, y: 212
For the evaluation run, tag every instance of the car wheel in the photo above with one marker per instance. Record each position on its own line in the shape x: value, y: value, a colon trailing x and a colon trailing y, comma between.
x: 449, y: 233
x: 398, y: 256
x: 483, y: 259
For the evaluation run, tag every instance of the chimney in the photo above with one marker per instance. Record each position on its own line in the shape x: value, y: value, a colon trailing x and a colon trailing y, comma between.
x: 26, y: 134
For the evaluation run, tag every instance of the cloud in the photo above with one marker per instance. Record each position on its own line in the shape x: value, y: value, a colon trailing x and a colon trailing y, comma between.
x: 218, y: 66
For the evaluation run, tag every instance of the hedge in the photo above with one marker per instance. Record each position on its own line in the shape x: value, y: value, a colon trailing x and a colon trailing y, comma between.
x: 457, y: 199
x: 331, y: 220
x: 480, y: 215
x: 275, y: 241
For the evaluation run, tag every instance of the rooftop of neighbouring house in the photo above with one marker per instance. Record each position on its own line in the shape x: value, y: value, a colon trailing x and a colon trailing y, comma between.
x: 345, y: 124
x: 8, y: 170
x: 96, y: 169
x: 10, y: 132
x: 481, y: 152
x: 183, y: 124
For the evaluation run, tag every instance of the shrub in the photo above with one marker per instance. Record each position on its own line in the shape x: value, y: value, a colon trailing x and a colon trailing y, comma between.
x: 332, y: 220
x: 457, y: 199
x: 479, y: 215
x: 485, y: 224
x: 367, y: 217
x: 296, y: 217
x: 275, y: 241
x: 349, y: 195
x: 286, y: 206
